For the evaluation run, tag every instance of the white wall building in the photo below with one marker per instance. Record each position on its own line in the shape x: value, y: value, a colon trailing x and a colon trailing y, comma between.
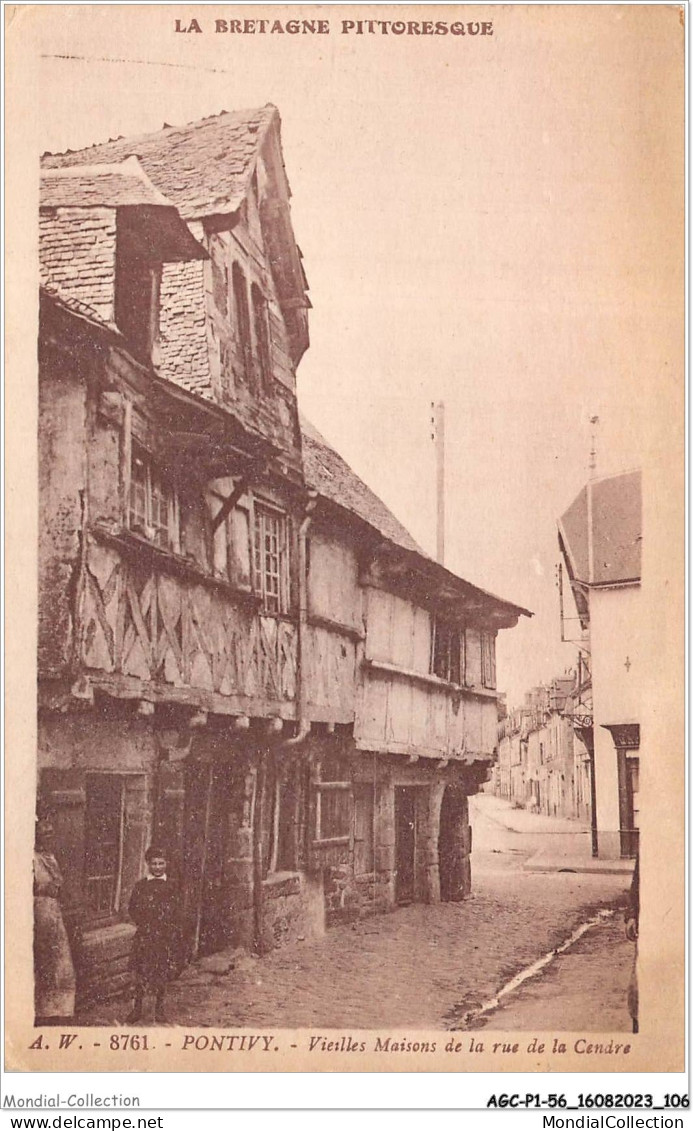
x: 600, y: 537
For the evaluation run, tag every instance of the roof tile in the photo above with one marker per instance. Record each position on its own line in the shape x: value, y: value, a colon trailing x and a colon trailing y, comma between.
x: 615, y: 504
x: 203, y: 168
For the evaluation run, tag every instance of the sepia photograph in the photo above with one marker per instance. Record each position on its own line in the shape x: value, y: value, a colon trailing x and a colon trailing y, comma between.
x: 356, y: 397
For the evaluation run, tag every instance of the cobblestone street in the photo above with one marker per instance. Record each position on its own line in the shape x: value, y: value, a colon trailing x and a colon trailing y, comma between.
x: 583, y: 990
x: 420, y: 966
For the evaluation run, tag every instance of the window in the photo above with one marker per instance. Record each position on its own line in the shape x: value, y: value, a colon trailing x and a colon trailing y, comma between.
x: 137, y: 286
x: 262, y: 340
x: 488, y: 659
x: 447, y: 651
x: 282, y: 817
x: 240, y: 301
x: 103, y: 843
x: 333, y: 802
x: 153, y: 508
x: 271, y: 559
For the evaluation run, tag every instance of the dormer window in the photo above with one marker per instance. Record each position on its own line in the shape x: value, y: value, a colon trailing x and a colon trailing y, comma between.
x: 137, y: 293
x: 153, y: 510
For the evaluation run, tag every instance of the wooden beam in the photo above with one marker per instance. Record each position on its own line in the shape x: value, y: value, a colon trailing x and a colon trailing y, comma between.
x: 239, y: 489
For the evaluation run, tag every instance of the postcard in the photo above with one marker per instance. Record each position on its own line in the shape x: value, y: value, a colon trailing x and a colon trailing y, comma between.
x: 345, y: 513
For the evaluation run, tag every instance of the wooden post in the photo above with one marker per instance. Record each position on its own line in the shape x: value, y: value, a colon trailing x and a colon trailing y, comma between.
x: 126, y: 460
x: 203, y: 865
x: 258, y: 815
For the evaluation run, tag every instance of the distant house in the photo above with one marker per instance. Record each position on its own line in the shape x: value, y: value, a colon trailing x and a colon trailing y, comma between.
x: 543, y: 762
x: 242, y: 653
x: 600, y: 539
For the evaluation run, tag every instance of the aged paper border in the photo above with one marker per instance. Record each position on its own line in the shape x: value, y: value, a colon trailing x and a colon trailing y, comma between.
x: 660, y: 1045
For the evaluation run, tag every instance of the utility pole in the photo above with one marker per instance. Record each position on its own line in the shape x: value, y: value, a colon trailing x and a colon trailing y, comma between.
x: 438, y: 437
x: 594, y: 421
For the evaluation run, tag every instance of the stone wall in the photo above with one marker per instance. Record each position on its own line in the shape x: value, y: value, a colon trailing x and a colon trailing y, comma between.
x: 182, y: 343
x: 73, y: 749
x: 284, y: 915
x: 77, y: 248
x: 62, y: 482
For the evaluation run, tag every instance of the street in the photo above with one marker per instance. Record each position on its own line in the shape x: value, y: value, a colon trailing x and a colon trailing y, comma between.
x: 436, y: 966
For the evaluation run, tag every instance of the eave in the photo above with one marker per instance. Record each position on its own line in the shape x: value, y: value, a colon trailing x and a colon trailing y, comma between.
x: 387, y: 565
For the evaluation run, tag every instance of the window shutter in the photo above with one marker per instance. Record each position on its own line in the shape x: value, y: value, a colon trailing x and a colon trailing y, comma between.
x: 488, y: 657
x: 239, y: 548
x: 65, y: 792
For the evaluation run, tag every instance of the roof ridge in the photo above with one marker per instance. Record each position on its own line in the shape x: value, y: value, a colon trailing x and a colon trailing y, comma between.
x: 167, y: 126
x: 204, y: 168
x: 614, y: 475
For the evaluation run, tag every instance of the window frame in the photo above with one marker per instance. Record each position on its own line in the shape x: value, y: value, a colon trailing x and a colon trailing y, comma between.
x: 260, y: 512
x: 101, y: 915
x: 154, y: 485
x: 335, y: 788
x: 456, y: 640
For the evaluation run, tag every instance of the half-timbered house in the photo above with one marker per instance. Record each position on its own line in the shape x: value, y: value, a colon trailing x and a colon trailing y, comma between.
x: 242, y: 653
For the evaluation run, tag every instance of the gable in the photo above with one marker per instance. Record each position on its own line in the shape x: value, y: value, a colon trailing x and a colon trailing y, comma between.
x: 207, y: 169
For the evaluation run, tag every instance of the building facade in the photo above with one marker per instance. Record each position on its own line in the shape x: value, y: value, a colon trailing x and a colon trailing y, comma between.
x: 543, y: 763
x: 600, y: 539
x: 243, y: 655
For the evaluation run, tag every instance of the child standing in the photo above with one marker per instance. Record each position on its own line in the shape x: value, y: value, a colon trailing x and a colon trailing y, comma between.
x: 155, y: 909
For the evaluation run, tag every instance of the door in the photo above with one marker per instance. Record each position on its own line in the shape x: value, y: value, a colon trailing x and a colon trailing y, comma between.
x: 215, y: 904
x: 405, y: 843
x: 206, y: 803
x: 629, y: 800
x: 454, y: 845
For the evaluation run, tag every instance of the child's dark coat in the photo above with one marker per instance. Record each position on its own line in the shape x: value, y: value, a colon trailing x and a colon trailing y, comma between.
x: 158, y: 952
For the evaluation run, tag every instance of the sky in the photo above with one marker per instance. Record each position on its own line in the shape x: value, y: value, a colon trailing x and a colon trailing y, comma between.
x: 485, y: 221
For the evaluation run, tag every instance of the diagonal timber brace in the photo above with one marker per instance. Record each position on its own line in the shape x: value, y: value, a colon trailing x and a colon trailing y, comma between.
x: 240, y: 487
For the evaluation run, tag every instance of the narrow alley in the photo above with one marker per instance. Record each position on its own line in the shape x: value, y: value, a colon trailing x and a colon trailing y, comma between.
x: 434, y: 966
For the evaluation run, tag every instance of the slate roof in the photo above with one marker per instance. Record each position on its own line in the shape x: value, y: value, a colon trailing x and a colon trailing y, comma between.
x: 203, y: 168
x: 75, y: 306
x: 616, y: 518
x: 330, y: 475
x: 99, y: 186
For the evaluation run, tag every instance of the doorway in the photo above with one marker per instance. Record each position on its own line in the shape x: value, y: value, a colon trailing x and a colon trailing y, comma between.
x: 207, y: 827
x: 405, y: 844
x: 454, y: 846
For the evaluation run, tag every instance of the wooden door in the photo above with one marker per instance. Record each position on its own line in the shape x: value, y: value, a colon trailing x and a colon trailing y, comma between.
x: 214, y: 911
x: 405, y: 843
